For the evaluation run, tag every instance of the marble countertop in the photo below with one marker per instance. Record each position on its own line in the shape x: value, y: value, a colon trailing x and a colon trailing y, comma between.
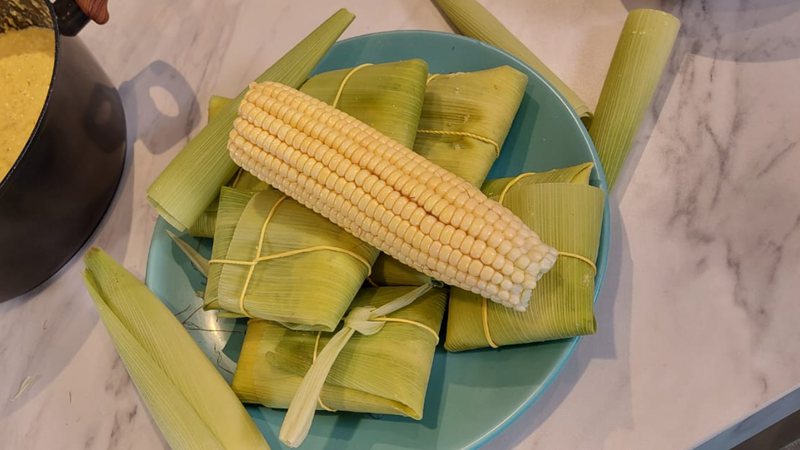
x: 698, y: 317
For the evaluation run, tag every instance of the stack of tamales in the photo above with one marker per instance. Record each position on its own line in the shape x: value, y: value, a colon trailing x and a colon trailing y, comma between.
x: 465, y: 120
x: 567, y: 213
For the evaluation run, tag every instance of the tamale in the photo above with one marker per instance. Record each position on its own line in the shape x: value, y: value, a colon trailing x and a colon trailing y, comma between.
x: 385, y: 373
x: 465, y: 120
x: 280, y: 261
x: 390, y: 96
x: 568, y: 214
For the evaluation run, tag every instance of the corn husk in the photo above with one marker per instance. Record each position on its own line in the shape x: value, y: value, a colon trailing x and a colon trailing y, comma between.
x: 638, y: 62
x: 385, y: 373
x: 483, y: 103
x: 191, y: 182
x: 567, y: 213
x: 471, y: 19
x: 205, y: 224
x: 578, y: 174
x: 232, y: 203
x: 187, y: 398
x: 299, y: 291
x: 390, y: 96
x: 387, y: 97
x: 217, y: 104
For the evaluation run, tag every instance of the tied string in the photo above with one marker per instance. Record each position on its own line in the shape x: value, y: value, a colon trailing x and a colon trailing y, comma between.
x: 485, y: 303
x: 251, y: 264
x: 366, y: 320
x: 344, y: 82
x: 477, y: 137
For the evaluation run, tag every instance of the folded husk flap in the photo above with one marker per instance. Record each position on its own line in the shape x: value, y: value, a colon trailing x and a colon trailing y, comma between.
x: 386, y: 373
x: 567, y: 213
x: 463, y: 116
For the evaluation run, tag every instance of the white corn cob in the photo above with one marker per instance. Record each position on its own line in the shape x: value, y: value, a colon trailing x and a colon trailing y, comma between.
x: 387, y: 195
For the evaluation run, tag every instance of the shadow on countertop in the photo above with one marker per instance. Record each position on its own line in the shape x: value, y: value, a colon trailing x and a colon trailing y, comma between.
x: 51, y: 324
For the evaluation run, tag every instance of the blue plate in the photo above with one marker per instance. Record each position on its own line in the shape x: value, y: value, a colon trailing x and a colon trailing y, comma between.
x: 472, y: 396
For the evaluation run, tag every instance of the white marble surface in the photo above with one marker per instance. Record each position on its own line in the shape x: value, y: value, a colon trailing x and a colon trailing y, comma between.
x: 698, y: 318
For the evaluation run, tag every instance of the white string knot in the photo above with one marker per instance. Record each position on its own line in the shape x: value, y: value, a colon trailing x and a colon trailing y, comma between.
x: 367, y: 320
x: 360, y: 319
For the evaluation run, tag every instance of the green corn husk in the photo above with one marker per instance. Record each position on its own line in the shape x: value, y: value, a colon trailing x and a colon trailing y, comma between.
x: 369, y: 89
x: 483, y: 103
x: 187, y: 398
x: 638, y: 62
x: 232, y: 203
x: 297, y: 291
x: 567, y: 213
x: 387, y: 97
x: 471, y: 19
x: 191, y: 182
x: 390, y: 97
x: 385, y: 373
x: 578, y: 174
x: 243, y: 180
x: 217, y: 104
x: 205, y: 224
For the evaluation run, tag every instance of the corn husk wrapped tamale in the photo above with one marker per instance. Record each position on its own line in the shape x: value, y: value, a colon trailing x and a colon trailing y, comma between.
x: 385, y: 373
x: 479, y: 108
x: 567, y: 213
x: 299, y: 290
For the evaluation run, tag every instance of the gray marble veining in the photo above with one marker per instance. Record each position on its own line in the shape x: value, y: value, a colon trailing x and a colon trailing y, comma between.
x: 698, y: 316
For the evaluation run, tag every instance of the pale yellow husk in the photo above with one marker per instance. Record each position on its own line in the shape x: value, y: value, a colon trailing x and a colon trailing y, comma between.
x: 300, y: 290
x: 568, y: 213
x: 187, y: 398
x: 386, y: 373
x: 475, y: 110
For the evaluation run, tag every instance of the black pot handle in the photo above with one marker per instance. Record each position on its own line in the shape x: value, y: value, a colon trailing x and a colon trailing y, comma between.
x: 71, y: 18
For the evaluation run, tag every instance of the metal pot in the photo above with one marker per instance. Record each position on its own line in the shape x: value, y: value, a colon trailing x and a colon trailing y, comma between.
x: 65, y: 178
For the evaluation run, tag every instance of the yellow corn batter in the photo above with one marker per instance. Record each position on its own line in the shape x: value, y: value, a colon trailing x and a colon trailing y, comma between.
x: 26, y: 66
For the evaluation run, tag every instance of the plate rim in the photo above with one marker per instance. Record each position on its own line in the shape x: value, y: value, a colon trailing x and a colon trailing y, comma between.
x: 605, y: 233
